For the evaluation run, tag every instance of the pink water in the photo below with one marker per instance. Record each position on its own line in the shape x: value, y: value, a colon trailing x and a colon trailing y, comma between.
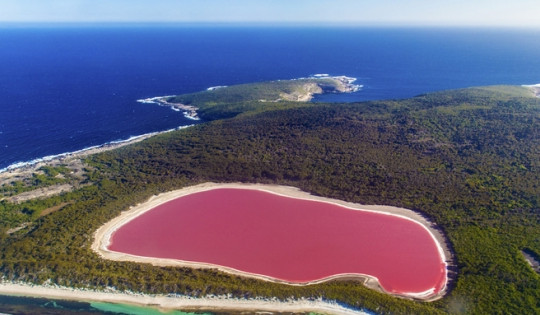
x: 285, y: 238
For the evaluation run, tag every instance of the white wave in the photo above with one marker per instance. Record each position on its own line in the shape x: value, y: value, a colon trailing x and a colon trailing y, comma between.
x: 153, y: 100
x: 159, y: 101
x: 347, y: 81
x: 189, y: 115
x: 49, y: 158
x: 145, y: 101
x: 216, y: 87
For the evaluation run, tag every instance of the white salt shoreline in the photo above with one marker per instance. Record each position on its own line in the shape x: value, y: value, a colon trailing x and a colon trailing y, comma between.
x: 103, y: 235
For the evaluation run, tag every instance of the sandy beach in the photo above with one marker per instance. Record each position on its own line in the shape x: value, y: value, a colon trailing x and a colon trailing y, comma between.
x: 103, y: 234
x: 176, y: 302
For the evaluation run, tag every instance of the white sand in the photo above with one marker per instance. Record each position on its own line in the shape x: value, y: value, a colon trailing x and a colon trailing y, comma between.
x: 104, y: 233
x: 163, y: 302
x: 535, y: 88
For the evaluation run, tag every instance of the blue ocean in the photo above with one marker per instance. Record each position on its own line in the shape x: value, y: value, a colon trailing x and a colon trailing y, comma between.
x: 65, y: 88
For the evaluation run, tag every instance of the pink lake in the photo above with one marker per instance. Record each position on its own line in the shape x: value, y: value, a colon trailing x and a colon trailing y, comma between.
x: 288, y: 239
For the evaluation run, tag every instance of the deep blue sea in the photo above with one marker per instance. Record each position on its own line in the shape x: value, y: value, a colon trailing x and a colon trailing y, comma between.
x: 66, y: 88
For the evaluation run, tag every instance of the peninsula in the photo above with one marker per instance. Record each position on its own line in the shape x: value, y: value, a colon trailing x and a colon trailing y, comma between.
x: 297, y: 90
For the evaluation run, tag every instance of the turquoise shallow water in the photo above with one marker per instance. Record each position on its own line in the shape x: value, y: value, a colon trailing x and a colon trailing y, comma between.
x: 26, y: 305
x: 136, y: 310
x: 15, y: 305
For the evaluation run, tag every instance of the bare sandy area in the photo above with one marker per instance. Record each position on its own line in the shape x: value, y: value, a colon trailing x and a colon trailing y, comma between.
x: 40, y: 193
x: 171, y: 302
x: 535, y: 88
x: 103, y: 235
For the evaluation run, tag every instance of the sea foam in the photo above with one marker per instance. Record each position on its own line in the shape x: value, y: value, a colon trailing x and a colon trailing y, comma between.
x: 112, y: 144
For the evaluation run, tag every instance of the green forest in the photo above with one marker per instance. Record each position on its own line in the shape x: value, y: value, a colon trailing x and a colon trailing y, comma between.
x: 467, y: 159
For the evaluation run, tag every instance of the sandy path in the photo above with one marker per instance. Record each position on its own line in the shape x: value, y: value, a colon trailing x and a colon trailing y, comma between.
x: 164, y: 302
x: 40, y: 193
x: 103, y: 235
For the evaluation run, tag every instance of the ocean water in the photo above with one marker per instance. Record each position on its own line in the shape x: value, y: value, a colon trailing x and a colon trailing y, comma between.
x: 66, y: 88
x: 27, y: 305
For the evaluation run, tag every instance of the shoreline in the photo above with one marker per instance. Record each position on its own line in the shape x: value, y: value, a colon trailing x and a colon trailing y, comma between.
x: 535, y: 88
x: 346, y: 83
x: 177, y: 302
x: 189, y: 112
x: 20, y: 168
x: 103, y: 235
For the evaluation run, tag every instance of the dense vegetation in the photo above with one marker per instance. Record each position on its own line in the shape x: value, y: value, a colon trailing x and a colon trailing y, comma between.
x: 467, y: 159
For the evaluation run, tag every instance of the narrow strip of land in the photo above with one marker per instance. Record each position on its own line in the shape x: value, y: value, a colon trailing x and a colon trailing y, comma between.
x: 176, y: 302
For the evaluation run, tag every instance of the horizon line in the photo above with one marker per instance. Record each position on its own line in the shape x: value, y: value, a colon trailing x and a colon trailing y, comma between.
x: 276, y: 24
